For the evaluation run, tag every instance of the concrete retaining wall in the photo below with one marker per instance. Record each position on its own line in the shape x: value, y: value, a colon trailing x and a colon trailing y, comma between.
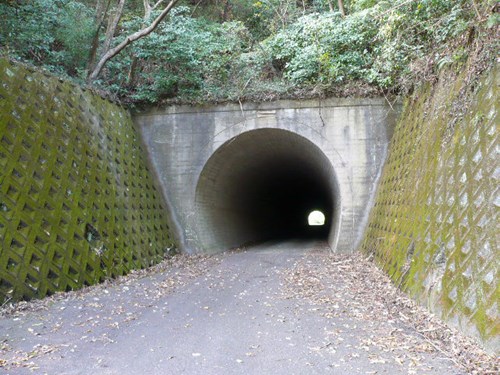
x: 77, y: 200
x: 435, y: 226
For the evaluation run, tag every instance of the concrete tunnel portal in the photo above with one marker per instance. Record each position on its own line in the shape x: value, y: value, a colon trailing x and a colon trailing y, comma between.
x: 262, y: 185
x: 233, y: 174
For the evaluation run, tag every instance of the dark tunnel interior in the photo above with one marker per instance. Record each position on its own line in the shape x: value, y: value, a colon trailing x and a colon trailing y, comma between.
x: 262, y: 185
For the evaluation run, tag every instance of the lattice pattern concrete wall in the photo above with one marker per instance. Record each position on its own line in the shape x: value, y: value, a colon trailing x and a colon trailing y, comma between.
x: 434, y: 227
x: 77, y: 201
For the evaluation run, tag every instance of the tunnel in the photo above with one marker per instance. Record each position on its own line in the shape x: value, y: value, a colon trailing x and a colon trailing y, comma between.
x: 262, y: 185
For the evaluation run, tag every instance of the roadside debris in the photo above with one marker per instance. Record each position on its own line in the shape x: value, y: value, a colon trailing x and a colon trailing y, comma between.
x: 367, y: 294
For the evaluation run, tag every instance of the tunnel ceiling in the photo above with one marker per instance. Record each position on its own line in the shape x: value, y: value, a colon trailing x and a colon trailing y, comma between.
x: 261, y: 185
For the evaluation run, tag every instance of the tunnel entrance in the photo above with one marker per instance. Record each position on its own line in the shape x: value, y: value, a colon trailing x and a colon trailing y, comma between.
x: 262, y: 185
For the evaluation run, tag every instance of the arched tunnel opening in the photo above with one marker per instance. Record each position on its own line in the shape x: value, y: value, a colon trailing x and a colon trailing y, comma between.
x: 263, y: 185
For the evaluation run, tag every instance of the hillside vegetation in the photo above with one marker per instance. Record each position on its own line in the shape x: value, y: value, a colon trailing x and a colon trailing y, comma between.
x: 235, y: 50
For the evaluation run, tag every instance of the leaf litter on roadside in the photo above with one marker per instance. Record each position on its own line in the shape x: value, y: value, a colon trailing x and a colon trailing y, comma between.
x: 172, y: 273
x: 350, y: 286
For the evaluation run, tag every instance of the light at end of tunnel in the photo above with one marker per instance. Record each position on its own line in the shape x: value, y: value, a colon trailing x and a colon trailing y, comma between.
x: 316, y: 218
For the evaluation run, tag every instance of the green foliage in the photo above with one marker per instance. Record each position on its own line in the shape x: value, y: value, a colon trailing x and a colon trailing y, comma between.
x: 377, y: 44
x: 326, y: 48
x: 296, y: 50
x: 250, y: 49
x: 358, y: 5
x: 269, y: 16
x: 493, y: 20
x: 183, y: 57
x: 74, y: 31
x: 262, y: 18
x: 52, y: 33
x: 349, y: 49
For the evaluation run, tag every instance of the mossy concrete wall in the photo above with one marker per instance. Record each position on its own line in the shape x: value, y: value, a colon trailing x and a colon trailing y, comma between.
x: 434, y: 227
x: 77, y: 201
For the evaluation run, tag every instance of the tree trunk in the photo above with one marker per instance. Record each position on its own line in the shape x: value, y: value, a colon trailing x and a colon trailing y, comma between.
x: 148, y: 9
x: 101, y: 12
x: 341, y: 7
x: 131, y: 71
x: 330, y: 4
x: 128, y: 40
x: 112, y: 25
x: 226, y: 11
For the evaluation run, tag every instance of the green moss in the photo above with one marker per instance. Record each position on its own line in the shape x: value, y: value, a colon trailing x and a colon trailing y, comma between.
x: 77, y: 201
x: 433, y: 227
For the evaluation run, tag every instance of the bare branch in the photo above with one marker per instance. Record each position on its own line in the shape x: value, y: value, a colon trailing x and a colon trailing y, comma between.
x: 130, y: 39
x: 157, y: 3
x: 330, y: 4
x: 113, y: 24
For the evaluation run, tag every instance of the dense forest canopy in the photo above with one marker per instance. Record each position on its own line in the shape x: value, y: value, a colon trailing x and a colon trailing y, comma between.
x: 233, y: 50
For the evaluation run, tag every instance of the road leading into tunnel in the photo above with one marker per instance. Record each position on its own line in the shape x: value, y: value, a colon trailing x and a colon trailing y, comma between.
x: 277, y: 308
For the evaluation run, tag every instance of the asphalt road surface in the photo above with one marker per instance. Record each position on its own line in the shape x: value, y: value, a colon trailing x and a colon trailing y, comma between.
x: 277, y: 308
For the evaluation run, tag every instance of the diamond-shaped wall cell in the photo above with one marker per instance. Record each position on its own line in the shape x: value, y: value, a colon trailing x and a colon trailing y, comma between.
x: 71, y: 170
x: 444, y: 179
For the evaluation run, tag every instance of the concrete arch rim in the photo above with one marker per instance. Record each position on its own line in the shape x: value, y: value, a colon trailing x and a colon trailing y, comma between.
x: 337, y: 219
x: 225, y: 136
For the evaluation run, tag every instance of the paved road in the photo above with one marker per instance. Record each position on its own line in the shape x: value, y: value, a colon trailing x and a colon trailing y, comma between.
x: 279, y: 308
